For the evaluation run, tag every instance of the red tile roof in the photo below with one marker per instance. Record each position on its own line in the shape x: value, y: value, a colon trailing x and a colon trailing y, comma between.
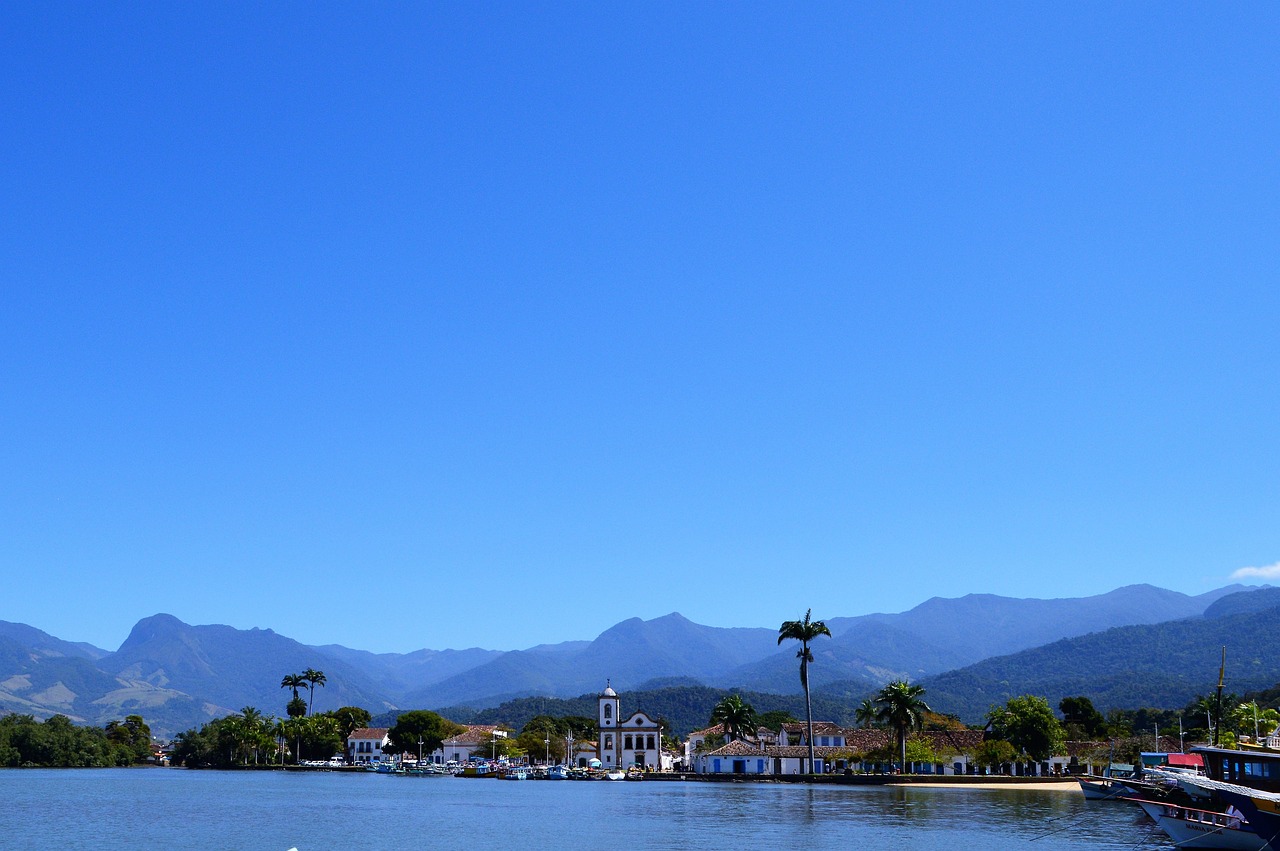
x: 474, y: 734
x: 376, y: 733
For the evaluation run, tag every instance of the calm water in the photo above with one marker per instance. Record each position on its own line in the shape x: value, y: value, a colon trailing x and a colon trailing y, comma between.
x: 173, y: 808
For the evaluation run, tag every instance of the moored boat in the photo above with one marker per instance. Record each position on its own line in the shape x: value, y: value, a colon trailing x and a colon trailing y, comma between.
x: 1189, y: 827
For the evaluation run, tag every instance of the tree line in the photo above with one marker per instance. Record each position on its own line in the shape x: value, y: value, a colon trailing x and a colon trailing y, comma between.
x: 58, y: 743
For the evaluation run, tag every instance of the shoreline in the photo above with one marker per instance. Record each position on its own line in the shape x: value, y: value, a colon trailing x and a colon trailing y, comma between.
x: 1035, y: 786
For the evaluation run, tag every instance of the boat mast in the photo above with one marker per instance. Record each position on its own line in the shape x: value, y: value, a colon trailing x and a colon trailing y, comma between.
x: 1222, y: 671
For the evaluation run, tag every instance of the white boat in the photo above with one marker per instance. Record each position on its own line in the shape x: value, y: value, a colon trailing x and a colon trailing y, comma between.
x: 558, y: 772
x: 1189, y: 827
x: 616, y: 774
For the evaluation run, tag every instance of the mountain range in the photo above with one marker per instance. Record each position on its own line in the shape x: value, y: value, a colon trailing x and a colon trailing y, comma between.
x: 1137, y: 643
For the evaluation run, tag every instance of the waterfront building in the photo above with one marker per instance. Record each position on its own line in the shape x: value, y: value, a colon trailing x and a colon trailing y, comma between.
x: 366, y: 745
x: 835, y: 750
x: 475, y: 740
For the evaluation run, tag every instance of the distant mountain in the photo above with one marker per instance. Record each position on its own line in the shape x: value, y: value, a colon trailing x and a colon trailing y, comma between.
x: 628, y: 654
x: 682, y: 709
x: 398, y: 673
x: 37, y: 680
x: 232, y: 668
x: 867, y: 652
x: 1162, y: 666
x: 978, y: 626
x: 942, y: 634
x: 178, y: 675
x: 46, y: 645
x: 1244, y: 602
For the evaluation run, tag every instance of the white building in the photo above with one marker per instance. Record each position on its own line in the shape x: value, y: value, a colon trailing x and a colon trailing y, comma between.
x: 626, y: 742
x: 366, y: 745
x: 475, y: 740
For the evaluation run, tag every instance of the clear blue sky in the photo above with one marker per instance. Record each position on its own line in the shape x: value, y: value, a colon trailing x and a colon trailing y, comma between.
x: 442, y: 325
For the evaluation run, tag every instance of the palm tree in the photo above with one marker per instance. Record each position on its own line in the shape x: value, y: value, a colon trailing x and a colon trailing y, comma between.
x: 315, y: 678
x: 902, y: 708
x: 804, y: 631
x: 866, y: 713
x: 293, y: 681
x: 736, y: 716
x: 253, y: 724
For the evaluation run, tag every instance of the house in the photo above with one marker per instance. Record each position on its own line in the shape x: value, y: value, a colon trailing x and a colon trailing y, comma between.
x: 698, y: 739
x: 836, y: 749
x: 366, y: 745
x: 473, y: 741
x: 634, y: 741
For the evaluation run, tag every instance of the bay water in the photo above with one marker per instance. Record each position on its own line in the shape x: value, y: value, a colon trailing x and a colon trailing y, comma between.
x: 276, y: 811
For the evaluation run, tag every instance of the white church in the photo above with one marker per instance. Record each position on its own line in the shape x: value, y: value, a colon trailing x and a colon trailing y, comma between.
x: 634, y: 741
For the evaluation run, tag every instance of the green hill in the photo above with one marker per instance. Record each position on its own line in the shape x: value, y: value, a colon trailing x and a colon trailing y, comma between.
x: 1160, y: 666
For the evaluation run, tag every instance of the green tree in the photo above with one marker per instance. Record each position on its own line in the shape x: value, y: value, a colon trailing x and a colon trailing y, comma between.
x: 314, y: 678
x: 351, y: 718
x: 132, y: 735
x: 918, y: 750
x: 775, y: 718
x: 1028, y: 723
x: 541, y: 745
x: 1080, y: 713
x: 737, y: 717
x: 995, y: 753
x: 804, y: 631
x: 420, y: 724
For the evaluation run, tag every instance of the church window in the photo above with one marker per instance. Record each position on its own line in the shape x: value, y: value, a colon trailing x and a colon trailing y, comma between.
x: 608, y: 711
x: 627, y: 743
x: 608, y: 741
x: 649, y: 742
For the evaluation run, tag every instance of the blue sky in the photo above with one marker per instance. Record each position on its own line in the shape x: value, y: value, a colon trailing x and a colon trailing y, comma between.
x: 444, y: 325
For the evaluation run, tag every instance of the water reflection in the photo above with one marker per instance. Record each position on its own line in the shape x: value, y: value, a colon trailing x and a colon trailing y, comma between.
x: 277, y: 811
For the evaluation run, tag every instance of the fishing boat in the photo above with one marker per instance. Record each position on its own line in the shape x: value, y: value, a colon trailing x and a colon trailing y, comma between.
x: 516, y: 772
x: 558, y: 772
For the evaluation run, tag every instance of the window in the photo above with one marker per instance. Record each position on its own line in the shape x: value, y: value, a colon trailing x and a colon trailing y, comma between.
x: 627, y: 743
x: 649, y: 742
x: 608, y: 711
x: 608, y: 741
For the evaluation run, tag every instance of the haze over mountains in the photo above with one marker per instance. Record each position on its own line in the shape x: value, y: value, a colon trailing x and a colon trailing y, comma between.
x: 968, y: 651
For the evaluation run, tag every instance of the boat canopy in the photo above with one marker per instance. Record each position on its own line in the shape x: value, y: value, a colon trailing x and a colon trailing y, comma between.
x: 1186, y: 760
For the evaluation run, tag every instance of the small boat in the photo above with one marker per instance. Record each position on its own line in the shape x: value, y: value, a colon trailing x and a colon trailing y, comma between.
x: 1189, y: 827
x: 616, y: 774
x: 558, y: 772
x: 1104, y: 789
x: 516, y: 773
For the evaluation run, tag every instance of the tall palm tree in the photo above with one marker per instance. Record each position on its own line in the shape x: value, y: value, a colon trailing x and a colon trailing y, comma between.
x: 293, y: 681
x: 804, y: 631
x: 902, y: 708
x: 736, y: 716
x: 315, y: 678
